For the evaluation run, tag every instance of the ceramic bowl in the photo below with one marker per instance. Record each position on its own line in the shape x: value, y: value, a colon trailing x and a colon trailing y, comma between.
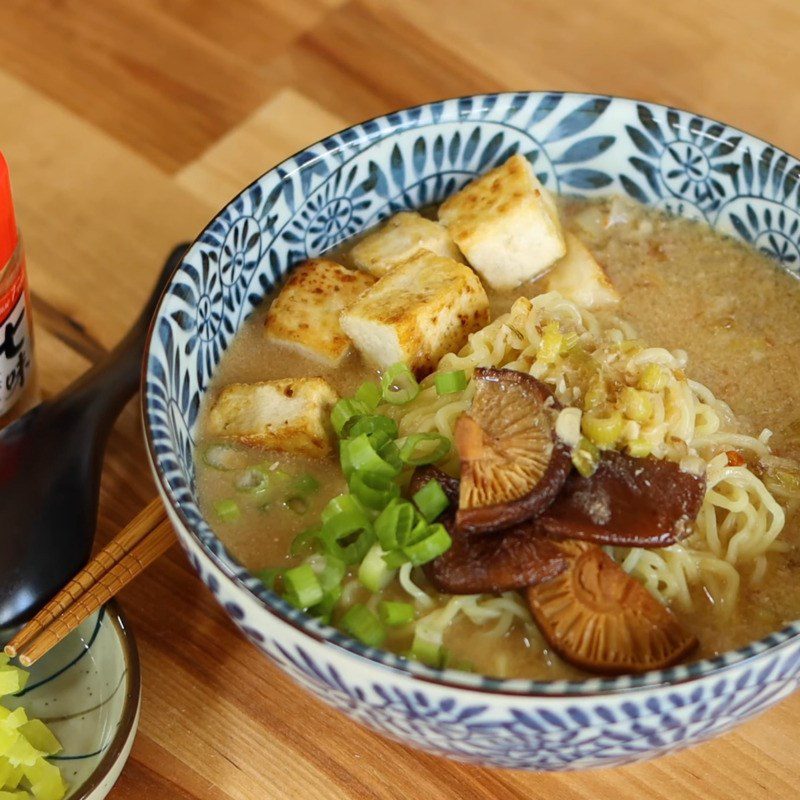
x: 87, y: 690
x: 581, y: 144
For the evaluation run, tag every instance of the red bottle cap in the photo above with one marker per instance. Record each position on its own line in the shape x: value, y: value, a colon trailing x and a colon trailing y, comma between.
x: 8, y: 225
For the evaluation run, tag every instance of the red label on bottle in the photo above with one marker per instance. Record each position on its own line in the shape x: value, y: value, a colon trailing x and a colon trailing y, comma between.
x: 15, y: 342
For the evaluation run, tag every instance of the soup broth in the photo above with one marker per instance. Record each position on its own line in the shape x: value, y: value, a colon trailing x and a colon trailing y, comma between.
x: 682, y: 286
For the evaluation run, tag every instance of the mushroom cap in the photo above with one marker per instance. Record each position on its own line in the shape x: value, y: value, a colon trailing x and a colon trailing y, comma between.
x: 496, y: 562
x: 595, y: 616
x: 487, y: 563
x: 629, y: 502
x: 512, y: 465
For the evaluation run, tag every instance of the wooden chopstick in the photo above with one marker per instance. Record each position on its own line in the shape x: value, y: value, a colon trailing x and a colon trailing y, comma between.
x: 141, y: 542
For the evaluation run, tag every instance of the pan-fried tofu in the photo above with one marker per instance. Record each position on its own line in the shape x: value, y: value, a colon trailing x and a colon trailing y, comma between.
x: 506, y: 224
x: 305, y: 315
x: 579, y: 278
x: 422, y: 309
x: 291, y: 414
x: 402, y: 237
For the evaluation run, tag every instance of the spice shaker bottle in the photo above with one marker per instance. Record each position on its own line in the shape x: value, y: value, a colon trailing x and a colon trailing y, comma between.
x: 17, y: 374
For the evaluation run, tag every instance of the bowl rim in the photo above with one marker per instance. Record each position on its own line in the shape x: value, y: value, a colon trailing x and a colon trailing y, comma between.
x: 329, y: 636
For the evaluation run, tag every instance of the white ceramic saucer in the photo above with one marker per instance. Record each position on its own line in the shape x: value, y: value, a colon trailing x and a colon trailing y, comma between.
x: 87, y: 690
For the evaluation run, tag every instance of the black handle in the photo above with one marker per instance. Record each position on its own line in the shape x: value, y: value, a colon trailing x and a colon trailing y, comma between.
x: 110, y: 383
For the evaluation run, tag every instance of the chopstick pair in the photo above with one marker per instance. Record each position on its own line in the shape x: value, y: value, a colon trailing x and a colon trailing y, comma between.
x: 128, y: 554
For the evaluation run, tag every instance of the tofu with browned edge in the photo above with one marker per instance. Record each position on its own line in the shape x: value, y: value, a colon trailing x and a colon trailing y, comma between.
x: 506, y: 224
x: 400, y: 238
x: 579, y: 277
x: 305, y: 314
x: 417, y: 312
x: 291, y: 414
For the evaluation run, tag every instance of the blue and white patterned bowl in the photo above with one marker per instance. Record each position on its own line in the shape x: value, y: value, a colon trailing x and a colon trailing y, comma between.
x: 581, y: 144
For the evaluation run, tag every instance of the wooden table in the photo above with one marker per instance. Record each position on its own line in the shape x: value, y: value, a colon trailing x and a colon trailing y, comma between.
x: 128, y: 122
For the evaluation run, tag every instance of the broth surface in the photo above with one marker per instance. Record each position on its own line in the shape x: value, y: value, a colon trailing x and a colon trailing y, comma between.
x: 682, y: 286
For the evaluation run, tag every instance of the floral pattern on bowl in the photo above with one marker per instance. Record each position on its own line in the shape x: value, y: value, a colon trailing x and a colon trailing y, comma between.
x: 579, y: 144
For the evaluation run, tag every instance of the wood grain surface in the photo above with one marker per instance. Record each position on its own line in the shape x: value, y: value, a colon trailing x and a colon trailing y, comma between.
x: 128, y: 122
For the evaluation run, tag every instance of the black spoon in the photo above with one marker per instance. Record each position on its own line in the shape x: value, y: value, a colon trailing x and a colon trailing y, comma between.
x: 50, y: 463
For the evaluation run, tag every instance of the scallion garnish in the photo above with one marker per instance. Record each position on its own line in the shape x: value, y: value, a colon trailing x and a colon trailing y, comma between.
x: 431, y: 500
x: 304, y: 541
x: 426, y: 651
x: 374, y: 573
x: 372, y: 424
x: 393, y: 613
x: 305, y: 484
x: 394, y: 524
x: 227, y: 510
x: 345, y: 410
x: 332, y: 573
x: 436, y: 541
x: 374, y: 491
x: 370, y: 394
x: 424, y: 448
x: 302, y: 586
x: 363, y: 625
x: 450, y: 382
x: 361, y: 456
x: 225, y: 457
x: 253, y: 480
x: 398, y: 385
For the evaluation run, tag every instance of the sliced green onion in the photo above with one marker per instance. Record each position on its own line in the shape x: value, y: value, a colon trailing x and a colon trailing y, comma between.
x: 426, y: 651
x: 436, y: 542
x: 398, y: 385
x: 369, y: 393
x: 305, y: 483
x: 269, y: 576
x: 450, y: 382
x: 424, y: 448
x: 390, y: 453
x: 345, y: 410
x: 374, y: 573
x: 394, y: 524
x: 344, y: 518
x: 374, y: 491
x: 252, y: 481
x: 361, y: 455
x: 225, y: 457
x: 296, y: 504
x: 302, y: 585
x: 372, y: 424
x: 323, y: 610
x: 227, y: 510
x: 431, y: 500
x: 332, y: 573
x: 343, y: 503
x: 363, y: 625
x: 395, y: 559
x: 418, y: 532
x: 394, y: 614
x: 304, y: 541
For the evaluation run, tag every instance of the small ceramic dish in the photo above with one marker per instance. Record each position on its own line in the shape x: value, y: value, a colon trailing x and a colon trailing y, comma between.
x: 578, y: 144
x: 87, y: 691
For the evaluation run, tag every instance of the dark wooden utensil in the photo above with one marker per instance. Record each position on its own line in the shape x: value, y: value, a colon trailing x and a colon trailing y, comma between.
x: 50, y: 463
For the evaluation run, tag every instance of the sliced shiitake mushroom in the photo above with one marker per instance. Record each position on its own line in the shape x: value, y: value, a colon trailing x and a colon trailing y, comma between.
x: 492, y: 562
x: 496, y: 562
x: 597, y: 617
x: 631, y: 502
x: 512, y: 465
